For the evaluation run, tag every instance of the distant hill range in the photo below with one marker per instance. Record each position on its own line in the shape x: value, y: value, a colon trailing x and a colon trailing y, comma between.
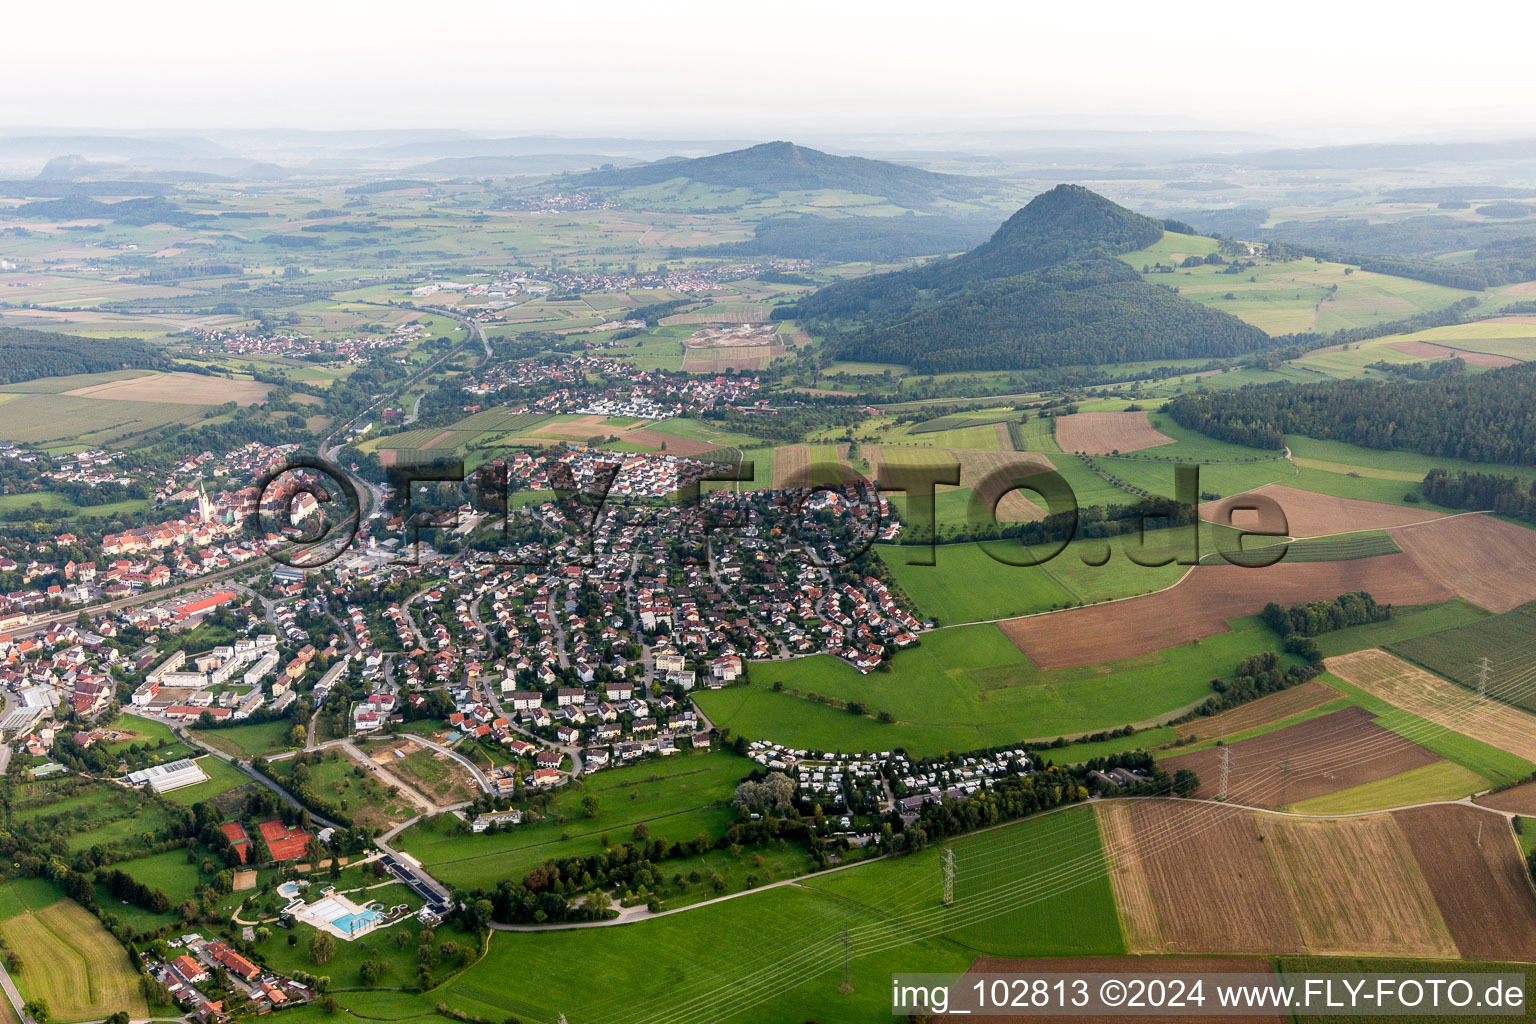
x: 786, y: 167
x: 1046, y: 290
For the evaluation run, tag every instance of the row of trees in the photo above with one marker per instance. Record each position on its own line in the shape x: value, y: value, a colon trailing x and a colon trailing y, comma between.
x: 1490, y: 417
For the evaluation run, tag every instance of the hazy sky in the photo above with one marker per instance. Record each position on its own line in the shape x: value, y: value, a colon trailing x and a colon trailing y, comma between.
x: 752, y: 69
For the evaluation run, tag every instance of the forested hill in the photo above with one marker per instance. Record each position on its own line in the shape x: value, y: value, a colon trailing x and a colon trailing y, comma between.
x: 786, y: 167
x: 1044, y: 290
x: 1489, y: 417
x: 28, y: 355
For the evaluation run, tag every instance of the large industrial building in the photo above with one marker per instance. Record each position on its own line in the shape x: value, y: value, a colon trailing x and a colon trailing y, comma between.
x: 162, y: 778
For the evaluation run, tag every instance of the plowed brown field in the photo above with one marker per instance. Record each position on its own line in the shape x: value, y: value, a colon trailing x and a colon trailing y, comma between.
x: 1325, y: 755
x: 1487, y: 561
x: 1276, y: 707
x: 1519, y: 800
x: 1429, y: 350
x: 1200, y: 605
x: 1482, y: 887
x: 1211, y: 879
x: 1308, y: 514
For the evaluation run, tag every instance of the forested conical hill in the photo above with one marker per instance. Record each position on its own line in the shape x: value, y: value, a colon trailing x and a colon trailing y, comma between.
x: 1045, y: 290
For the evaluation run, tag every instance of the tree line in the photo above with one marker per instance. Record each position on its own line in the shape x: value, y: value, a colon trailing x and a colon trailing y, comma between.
x: 1490, y: 417
x: 1490, y: 492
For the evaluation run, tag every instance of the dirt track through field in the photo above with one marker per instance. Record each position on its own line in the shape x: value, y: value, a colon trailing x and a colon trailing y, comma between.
x: 1425, y: 694
x: 1324, y: 755
x: 1488, y: 561
x: 1202, y: 602
x: 1104, y: 433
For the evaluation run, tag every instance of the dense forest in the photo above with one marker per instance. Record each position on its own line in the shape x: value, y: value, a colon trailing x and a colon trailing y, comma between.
x: 1044, y: 290
x: 1481, y: 491
x: 1078, y: 313
x: 1490, y: 417
x: 28, y: 355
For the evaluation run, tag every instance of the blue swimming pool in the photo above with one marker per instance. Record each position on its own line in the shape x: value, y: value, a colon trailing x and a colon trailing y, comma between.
x: 353, y: 923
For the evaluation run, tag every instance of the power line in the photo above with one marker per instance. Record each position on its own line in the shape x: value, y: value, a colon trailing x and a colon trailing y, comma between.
x: 949, y: 875
x: 847, y: 985
x: 1483, y: 670
x: 1226, y: 769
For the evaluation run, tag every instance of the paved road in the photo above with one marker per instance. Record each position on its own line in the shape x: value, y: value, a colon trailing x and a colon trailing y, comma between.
x: 244, y: 767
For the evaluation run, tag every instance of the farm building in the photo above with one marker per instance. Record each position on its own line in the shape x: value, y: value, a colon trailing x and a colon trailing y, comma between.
x: 162, y: 778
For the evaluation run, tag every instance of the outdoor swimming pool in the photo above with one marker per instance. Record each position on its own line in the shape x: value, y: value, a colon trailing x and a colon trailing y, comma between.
x: 353, y: 923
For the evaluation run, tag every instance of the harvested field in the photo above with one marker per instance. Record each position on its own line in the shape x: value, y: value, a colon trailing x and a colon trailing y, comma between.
x: 803, y: 465
x: 73, y: 963
x: 1428, y: 350
x: 790, y: 462
x: 1327, y: 754
x: 178, y: 389
x: 1276, y: 707
x: 1139, y: 923
x: 1425, y: 694
x: 575, y: 428
x: 1016, y: 506
x: 722, y: 360
x: 1342, y: 875
x: 1219, y: 894
x: 1202, y: 602
x: 1105, y: 433
x: 739, y: 313
x: 674, y: 445
x: 1488, y: 561
x: 1309, y: 514
x: 1482, y: 889
x: 1131, y: 965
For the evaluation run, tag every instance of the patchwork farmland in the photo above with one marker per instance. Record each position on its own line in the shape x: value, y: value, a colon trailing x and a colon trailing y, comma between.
x: 1309, y: 759
x: 1212, y: 878
x: 1433, y: 699
x: 1202, y: 602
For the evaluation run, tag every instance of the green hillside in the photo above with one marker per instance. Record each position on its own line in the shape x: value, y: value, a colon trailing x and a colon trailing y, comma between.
x: 1045, y: 290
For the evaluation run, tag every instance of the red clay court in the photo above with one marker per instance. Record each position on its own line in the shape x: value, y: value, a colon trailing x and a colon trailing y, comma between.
x: 283, y: 842
x: 237, y: 838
